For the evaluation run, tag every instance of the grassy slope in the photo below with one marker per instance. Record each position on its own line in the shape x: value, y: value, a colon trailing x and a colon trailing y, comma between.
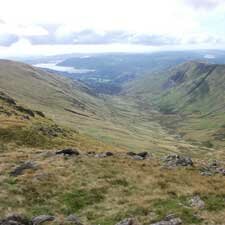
x: 194, y: 91
x: 49, y: 93
x: 100, y: 191
x: 23, y: 127
x: 105, y: 191
x: 115, y: 120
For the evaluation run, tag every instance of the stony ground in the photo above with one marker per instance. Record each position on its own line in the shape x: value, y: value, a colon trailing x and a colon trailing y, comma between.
x: 107, y: 187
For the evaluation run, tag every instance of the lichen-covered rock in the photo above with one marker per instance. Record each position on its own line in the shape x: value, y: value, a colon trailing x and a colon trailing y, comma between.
x: 169, y: 220
x: 139, y: 156
x: 14, y: 220
x: 104, y: 154
x: 177, y: 160
x: 128, y: 221
x: 73, y: 219
x: 212, y: 168
x: 41, y: 219
x: 197, y: 202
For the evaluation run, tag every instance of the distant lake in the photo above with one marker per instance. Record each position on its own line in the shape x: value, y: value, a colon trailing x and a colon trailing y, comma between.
x: 53, y: 66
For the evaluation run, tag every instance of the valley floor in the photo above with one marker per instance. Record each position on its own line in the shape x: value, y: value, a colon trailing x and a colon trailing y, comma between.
x: 132, y: 124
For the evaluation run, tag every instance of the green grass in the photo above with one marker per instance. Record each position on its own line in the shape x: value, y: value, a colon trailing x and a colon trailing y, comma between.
x: 24, y: 137
x: 214, y: 202
x: 178, y: 207
x: 79, y: 199
x: 119, y: 182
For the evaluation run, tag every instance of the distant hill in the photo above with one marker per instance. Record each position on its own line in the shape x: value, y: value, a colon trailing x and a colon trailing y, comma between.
x: 115, y: 120
x: 111, y: 71
x: 54, y: 95
x: 192, y: 94
x: 195, y: 87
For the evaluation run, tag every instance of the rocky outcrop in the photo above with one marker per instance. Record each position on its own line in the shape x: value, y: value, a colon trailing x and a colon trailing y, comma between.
x: 7, y: 99
x: 25, y: 166
x: 14, y: 220
x: 104, y: 154
x: 37, y: 220
x: 73, y: 219
x: 68, y: 152
x: 169, y: 220
x: 177, y: 160
x: 212, y: 168
x: 197, y: 202
x: 42, y: 219
x: 139, y: 156
x: 128, y: 221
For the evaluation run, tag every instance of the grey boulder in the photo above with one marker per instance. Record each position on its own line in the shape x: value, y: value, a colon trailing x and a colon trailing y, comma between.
x: 41, y: 219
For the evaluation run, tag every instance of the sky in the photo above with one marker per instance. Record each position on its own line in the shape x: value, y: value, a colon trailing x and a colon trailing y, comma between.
x: 50, y: 27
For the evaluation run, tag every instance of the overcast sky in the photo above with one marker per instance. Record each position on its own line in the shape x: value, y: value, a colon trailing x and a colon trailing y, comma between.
x: 48, y: 27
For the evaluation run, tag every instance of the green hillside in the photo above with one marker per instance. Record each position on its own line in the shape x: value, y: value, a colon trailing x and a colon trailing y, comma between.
x: 115, y: 120
x: 108, y: 179
x: 189, y: 97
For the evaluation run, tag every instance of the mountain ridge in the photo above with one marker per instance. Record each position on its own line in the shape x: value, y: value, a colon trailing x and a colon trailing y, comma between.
x: 190, y: 95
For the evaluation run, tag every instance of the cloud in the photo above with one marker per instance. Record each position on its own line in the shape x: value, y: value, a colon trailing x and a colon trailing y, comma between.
x: 154, y: 40
x: 204, y: 4
x: 58, y: 35
x: 10, y: 33
x: 8, y: 39
x: 90, y: 24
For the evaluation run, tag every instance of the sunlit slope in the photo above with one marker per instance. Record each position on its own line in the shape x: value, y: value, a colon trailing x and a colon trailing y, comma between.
x: 190, y: 96
x: 61, y: 99
x: 116, y: 120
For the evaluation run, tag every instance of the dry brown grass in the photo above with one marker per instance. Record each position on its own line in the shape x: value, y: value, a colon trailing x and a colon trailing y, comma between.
x: 122, y: 186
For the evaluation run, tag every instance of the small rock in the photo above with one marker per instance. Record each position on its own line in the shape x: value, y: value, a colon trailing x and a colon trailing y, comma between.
x: 73, y: 219
x: 104, y: 155
x: 137, y: 157
x: 197, y: 202
x: 91, y: 153
x: 169, y: 220
x: 143, y: 154
x: 212, y: 169
x: 177, y: 160
x: 14, y: 220
x: 25, y: 117
x: 41, y: 219
x: 131, y: 153
x: 221, y: 171
x: 109, y: 154
x: 68, y: 152
x: 19, y: 170
x: 128, y: 221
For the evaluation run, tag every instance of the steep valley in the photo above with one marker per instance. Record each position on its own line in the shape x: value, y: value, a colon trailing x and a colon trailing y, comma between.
x: 143, y: 154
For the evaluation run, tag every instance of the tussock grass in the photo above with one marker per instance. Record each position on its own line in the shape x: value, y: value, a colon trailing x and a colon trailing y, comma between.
x: 110, y: 189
